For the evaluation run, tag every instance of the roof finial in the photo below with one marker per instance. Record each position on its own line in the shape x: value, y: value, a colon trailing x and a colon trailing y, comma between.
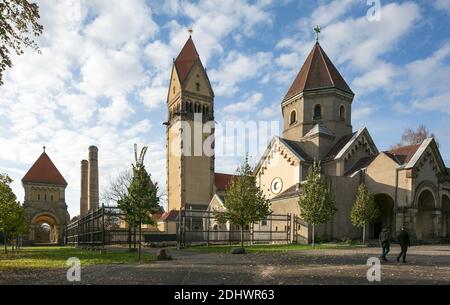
x: 317, y: 29
x: 44, y: 148
x: 190, y: 31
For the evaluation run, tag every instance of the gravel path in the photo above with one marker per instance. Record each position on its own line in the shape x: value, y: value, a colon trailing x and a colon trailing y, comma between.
x: 426, y: 265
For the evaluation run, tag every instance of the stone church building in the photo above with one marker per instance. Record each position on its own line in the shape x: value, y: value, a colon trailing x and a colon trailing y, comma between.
x: 411, y: 184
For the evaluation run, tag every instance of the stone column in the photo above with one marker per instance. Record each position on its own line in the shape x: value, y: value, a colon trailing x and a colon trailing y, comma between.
x: 84, y: 188
x: 437, y: 223
x: 93, y: 197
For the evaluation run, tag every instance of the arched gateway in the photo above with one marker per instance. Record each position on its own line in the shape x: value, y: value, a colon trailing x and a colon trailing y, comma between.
x: 44, y: 202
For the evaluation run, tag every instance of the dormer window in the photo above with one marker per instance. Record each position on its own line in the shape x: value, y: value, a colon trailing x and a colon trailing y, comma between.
x: 293, y: 118
x: 342, y: 113
x: 317, y: 112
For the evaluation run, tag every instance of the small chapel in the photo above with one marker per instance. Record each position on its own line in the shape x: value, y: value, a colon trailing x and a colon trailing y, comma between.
x: 411, y: 184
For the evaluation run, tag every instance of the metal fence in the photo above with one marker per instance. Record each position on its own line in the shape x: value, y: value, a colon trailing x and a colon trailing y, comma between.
x: 201, y: 227
x: 107, y: 226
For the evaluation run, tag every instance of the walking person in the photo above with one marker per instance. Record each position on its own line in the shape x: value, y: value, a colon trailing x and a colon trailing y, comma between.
x: 403, y: 240
x: 385, y: 241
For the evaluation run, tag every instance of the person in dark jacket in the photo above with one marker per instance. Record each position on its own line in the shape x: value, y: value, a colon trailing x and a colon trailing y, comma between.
x: 385, y: 241
x: 403, y: 240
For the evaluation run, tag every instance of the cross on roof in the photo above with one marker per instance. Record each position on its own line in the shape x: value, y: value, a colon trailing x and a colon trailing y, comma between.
x: 317, y: 29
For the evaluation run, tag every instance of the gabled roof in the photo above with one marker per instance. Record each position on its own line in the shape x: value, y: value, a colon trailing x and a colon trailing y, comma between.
x: 344, y: 144
x: 221, y: 181
x: 320, y: 129
x: 403, y: 155
x: 292, y: 191
x: 44, y: 171
x: 362, y: 163
x: 296, y: 147
x: 420, y: 151
x: 318, y: 72
x: 186, y: 60
x: 169, y: 216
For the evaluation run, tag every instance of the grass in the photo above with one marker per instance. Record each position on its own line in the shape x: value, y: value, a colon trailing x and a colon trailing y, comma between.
x: 56, y: 257
x: 274, y: 248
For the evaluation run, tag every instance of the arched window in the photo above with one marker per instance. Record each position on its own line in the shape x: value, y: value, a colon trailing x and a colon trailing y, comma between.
x: 317, y: 112
x: 293, y: 118
x: 342, y: 113
x: 197, y: 86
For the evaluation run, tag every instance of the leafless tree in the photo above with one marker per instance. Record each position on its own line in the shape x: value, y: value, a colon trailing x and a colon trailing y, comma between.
x: 117, y: 188
x: 412, y: 137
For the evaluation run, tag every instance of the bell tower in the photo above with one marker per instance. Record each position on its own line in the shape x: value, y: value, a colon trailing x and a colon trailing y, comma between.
x: 190, y: 132
x: 317, y: 108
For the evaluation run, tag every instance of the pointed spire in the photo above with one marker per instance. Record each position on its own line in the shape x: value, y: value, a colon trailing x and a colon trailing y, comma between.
x: 44, y: 171
x: 318, y: 72
x: 186, y: 59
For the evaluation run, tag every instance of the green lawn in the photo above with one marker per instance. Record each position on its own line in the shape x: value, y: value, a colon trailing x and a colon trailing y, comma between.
x: 273, y: 248
x: 56, y: 257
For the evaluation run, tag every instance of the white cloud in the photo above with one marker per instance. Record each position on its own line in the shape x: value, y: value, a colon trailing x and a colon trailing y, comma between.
x: 120, y: 23
x: 442, y: 5
x: 247, y: 105
x: 111, y: 72
x: 325, y: 14
x: 236, y: 68
x: 118, y: 110
x: 439, y: 103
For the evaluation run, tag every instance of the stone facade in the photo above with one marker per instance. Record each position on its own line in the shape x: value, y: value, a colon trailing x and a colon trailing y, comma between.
x: 411, y: 184
x: 44, y: 201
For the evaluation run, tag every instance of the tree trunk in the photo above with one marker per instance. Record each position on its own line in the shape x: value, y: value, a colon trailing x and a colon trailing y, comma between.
x: 140, y: 242
x: 364, y: 234
x: 129, y: 237
x: 242, y: 236
x: 313, y: 235
x: 5, y: 242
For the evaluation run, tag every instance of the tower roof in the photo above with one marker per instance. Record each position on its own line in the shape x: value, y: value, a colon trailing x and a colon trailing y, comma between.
x: 44, y: 171
x: 318, y: 72
x: 186, y: 59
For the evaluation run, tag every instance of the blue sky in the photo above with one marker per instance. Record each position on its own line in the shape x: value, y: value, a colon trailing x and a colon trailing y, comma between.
x: 105, y: 65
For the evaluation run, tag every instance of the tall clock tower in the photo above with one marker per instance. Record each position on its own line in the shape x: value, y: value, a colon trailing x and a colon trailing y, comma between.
x: 190, y: 144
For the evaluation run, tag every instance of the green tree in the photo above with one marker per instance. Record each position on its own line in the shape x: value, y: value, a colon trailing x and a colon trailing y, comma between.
x: 13, y: 222
x: 316, y: 200
x: 142, y: 200
x: 244, y: 201
x: 18, y: 19
x: 364, y: 209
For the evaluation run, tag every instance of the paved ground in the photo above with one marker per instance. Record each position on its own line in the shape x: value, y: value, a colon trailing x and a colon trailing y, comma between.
x: 426, y: 265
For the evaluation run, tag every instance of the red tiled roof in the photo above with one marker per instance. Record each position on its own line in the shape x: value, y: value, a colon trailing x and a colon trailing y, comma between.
x: 186, y: 59
x: 403, y: 155
x: 222, y: 181
x: 169, y: 216
x: 317, y: 72
x: 44, y: 171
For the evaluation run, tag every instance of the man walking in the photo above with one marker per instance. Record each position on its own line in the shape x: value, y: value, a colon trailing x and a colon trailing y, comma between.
x: 403, y: 240
x: 385, y: 241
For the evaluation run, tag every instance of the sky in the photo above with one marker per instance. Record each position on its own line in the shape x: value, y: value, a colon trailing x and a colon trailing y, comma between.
x: 103, y: 75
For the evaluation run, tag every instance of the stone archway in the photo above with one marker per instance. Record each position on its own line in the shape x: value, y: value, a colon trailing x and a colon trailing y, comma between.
x: 445, y: 216
x: 426, y: 204
x: 386, y: 219
x: 45, y: 229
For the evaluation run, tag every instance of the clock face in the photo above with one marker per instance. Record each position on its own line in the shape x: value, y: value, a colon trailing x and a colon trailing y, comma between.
x: 276, y: 185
